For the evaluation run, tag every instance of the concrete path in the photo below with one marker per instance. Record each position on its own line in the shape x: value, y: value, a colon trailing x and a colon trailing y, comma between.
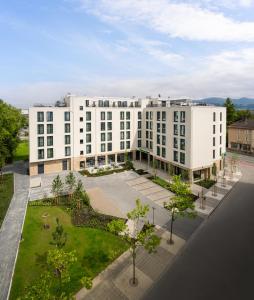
x: 11, y: 229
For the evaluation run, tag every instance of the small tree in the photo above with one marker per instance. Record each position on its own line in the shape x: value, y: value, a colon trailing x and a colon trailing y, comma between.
x: 146, y: 237
x: 70, y: 181
x: 59, y: 236
x: 78, y: 194
x: 57, y: 188
x: 181, y: 204
x: 155, y: 167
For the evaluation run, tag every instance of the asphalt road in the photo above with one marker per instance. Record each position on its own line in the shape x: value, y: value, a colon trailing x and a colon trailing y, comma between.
x: 218, y: 261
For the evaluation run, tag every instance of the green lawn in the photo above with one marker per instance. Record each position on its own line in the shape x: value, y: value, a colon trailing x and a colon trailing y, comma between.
x: 22, y: 151
x: 95, y: 248
x: 6, y: 192
x: 206, y: 183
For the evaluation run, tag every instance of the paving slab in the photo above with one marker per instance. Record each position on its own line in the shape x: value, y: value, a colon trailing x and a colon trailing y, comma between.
x: 143, y: 186
x: 172, y: 248
x: 218, y: 196
x: 160, y: 195
x: 137, y: 181
x: 151, y: 190
x: 206, y: 211
x: 225, y: 187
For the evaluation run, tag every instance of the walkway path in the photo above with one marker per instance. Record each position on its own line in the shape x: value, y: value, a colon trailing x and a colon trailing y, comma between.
x: 11, y: 229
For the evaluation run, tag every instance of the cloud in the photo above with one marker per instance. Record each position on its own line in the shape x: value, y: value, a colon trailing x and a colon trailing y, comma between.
x: 178, y: 20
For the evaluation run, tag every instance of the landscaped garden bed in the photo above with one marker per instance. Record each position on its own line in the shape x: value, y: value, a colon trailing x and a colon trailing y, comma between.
x: 206, y: 183
x: 102, y: 171
x: 22, y: 151
x: 6, y: 193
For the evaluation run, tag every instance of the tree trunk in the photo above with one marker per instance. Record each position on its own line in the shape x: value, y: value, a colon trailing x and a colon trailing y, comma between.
x: 134, y: 264
x: 171, y: 229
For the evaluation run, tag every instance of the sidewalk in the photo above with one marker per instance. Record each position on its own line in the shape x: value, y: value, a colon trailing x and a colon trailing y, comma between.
x: 113, y: 283
x: 11, y: 229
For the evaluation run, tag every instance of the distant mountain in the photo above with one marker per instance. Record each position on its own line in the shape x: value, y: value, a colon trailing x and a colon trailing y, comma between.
x: 241, y: 103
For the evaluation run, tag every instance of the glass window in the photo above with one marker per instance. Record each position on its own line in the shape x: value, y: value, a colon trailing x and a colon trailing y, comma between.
x: 109, y: 125
x: 128, y: 145
x: 41, y: 141
x: 50, y: 153
x: 214, y: 116
x: 109, y: 136
x: 103, y: 126
x: 40, y: 129
x: 151, y: 125
x: 121, y: 115
x: 220, y: 151
x: 175, y: 143
x: 67, y: 139
x: 81, y: 108
x: 40, y: 116
x: 88, y: 116
x: 41, y: 154
x: 88, y: 138
x: 103, y: 147
x: 67, y: 116
x: 122, y: 125
x: 81, y: 152
x: 67, y: 128
x: 175, y: 156
x: 64, y: 165
x: 220, y: 140
x: 122, y: 135
x: 109, y: 146
x: 139, y: 115
x: 158, y: 127
x: 163, y: 116
x: 182, y: 158
x: 139, y: 124
x: 214, y: 129
x: 49, y: 116
x: 81, y: 130
x: 214, y: 141
x: 122, y: 145
x: 220, y: 116
x: 88, y: 127
x: 213, y: 153
x: 128, y: 135
x: 182, y: 116
x: 163, y: 130
x: 128, y: 125
x: 67, y: 151
x: 81, y: 119
x: 88, y: 149
x: 147, y: 134
x: 151, y: 145
x: 182, y: 130
x: 109, y: 115
x: 49, y: 140
x: 163, y: 152
x: 220, y: 128
x: 158, y: 115
x: 158, y: 139
x: 147, y: 144
x: 182, y: 144
x: 103, y: 115
x: 158, y: 151
x: 103, y: 137
x: 81, y: 141
x: 175, y: 129
x: 139, y: 134
x: 163, y: 140
x: 151, y: 135
x: 49, y: 128
x: 147, y: 115
x: 151, y: 115
x: 139, y: 143
x: 128, y: 115
x: 175, y: 116
x: 147, y: 125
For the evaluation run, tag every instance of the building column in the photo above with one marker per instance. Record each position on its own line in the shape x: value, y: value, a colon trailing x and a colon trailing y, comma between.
x: 96, y: 161
x: 134, y: 155
x: 191, y: 176
x: 148, y: 160
x: 116, y: 158
x: 106, y: 159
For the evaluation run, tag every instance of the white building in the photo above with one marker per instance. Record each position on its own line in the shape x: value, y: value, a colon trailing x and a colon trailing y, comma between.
x: 88, y: 131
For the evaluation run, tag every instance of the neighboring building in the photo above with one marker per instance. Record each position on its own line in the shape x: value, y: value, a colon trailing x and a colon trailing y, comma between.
x: 241, y: 136
x: 92, y: 131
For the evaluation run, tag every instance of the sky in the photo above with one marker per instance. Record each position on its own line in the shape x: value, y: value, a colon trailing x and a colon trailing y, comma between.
x: 174, y: 48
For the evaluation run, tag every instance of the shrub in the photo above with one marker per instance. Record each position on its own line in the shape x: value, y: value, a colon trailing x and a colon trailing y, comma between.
x: 87, y: 282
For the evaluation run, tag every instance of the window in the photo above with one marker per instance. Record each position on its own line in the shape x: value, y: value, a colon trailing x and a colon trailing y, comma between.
x: 214, y: 129
x: 182, y: 158
x: 40, y: 129
x: 40, y: 168
x: 103, y: 115
x: 163, y: 116
x: 151, y: 115
x: 49, y: 128
x: 182, y: 116
x: 220, y: 140
x: 103, y: 147
x: 163, y: 130
x: 151, y: 125
x: 163, y: 140
x: 147, y: 144
x: 81, y: 141
x: 139, y: 115
x: 128, y: 125
x: 175, y: 129
x: 214, y: 116
x: 147, y: 125
x: 49, y: 140
x: 121, y: 115
x: 147, y: 115
x: 139, y: 124
x: 88, y: 149
x: 67, y: 151
x: 220, y: 128
x: 182, y: 144
x: 67, y: 139
x: 109, y: 125
x: 88, y: 138
x: 158, y: 139
x: 139, y: 143
x: 81, y: 130
x: 122, y: 135
x: 49, y: 116
x: 213, y: 141
x: 87, y: 103
x: 163, y: 152
x: 109, y: 146
x: 109, y: 136
x: 158, y: 115
x: 213, y: 154
x: 128, y: 115
x: 103, y: 137
x: 176, y: 143
x: 50, y: 153
x: 122, y: 125
x: 122, y: 145
x: 88, y: 127
x: 81, y: 152
x: 41, y: 141
x: 81, y: 119
x: 81, y: 108
x: 128, y: 145
x: 158, y: 151
x: 158, y: 127
x: 151, y: 145
x: 220, y: 151
x: 128, y: 135
x: 88, y: 116
x: 220, y: 116
x: 67, y: 116
x: 67, y: 128
x: 41, y: 154
x: 139, y: 134
x: 175, y: 116
x: 64, y: 165
x: 175, y: 156
x: 109, y: 115
x: 147, y: 134
x: 151, y: 135
x: 40, y: 116
x: 182, y: 130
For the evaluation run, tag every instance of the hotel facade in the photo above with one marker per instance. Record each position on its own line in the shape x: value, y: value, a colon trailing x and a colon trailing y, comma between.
x: 83, y: 132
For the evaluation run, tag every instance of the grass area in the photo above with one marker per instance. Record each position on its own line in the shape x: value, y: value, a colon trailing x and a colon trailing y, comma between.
x: 6, y: 192
x: 163, y: 183
x: 95, y: 249
x: 22, y: 151
x: 206, y: 183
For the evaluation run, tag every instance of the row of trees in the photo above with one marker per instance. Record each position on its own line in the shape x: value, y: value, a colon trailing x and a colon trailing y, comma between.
x: 234, y: 115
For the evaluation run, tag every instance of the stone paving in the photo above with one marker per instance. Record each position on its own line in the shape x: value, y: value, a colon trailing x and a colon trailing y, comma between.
x: 113, y: 283
x: 10, y: 232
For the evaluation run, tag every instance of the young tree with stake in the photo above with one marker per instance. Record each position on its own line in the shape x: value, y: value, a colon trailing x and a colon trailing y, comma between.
x: 57, y: 188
